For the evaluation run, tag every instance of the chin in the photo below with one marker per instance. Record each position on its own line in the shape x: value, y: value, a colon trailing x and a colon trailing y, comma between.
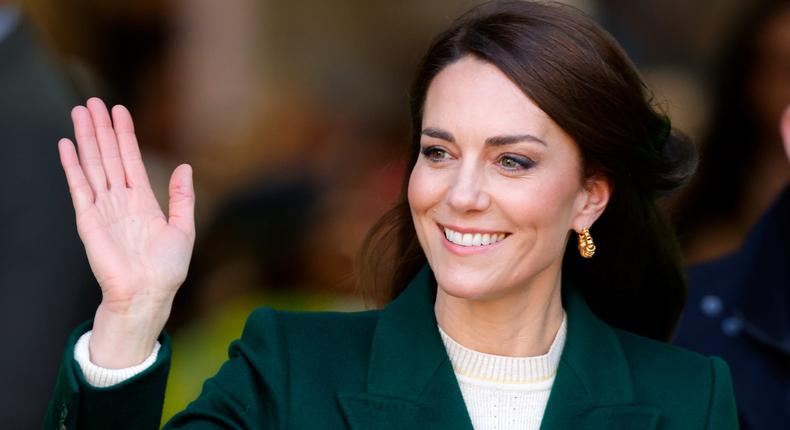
x: 467, y: 283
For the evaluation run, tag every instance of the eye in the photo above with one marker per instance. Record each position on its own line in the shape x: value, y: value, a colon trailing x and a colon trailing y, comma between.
x: 435, y: 154
x: 515, y: 162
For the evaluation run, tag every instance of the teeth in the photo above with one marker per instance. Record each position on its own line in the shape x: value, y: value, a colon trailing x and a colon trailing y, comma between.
x: 469, y: 239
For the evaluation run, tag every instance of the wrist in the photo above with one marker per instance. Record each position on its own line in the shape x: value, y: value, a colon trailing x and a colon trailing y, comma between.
x: 124, y: 339
x: 98, y: 376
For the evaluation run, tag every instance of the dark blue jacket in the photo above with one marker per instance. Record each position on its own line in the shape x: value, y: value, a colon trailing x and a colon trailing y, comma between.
x: 739, y: 309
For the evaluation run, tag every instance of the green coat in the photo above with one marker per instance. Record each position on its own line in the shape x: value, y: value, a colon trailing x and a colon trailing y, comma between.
x: 388, y: 369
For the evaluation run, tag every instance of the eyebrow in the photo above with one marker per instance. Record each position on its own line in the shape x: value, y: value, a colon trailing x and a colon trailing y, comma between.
x: 491, y: 141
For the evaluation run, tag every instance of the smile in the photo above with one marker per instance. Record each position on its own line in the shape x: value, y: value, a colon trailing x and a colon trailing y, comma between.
x: 473, y: 238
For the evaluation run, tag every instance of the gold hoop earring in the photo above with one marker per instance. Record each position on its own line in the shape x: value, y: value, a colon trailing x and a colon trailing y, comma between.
x: 586, y: 244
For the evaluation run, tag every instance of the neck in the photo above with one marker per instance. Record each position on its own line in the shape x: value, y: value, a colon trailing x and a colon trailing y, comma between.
x: 521, y: 323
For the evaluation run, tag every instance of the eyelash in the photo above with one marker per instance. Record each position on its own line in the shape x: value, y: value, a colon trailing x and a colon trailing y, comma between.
x: 523, y: 163
x: 429, y: 151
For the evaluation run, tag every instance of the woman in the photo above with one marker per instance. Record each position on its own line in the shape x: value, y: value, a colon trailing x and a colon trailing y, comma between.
x: 530, y: 123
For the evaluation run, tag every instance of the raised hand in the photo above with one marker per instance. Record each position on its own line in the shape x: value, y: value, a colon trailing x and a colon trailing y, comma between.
x: 139, y: 256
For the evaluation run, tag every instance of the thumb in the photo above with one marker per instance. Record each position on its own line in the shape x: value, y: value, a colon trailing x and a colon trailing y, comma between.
x: 182, y: 200
x: 785, y: 128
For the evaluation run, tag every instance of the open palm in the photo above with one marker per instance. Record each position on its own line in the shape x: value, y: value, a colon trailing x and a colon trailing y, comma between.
x: 136, y: 253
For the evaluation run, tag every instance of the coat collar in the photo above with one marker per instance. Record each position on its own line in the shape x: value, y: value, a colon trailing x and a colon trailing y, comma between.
x: 593, y: 387
x: 411, y: 381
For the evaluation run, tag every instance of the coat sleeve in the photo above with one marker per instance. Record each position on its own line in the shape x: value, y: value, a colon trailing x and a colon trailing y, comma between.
x: 248, y: 392
x: 722, y: 412
x: 133, y: 404
x: 251, y: 388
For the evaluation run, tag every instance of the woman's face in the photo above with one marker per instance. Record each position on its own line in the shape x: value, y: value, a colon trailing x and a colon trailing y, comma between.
x: 497, y: 187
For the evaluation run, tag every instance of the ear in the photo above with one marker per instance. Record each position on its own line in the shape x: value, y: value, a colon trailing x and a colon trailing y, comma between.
x: 592, y: 201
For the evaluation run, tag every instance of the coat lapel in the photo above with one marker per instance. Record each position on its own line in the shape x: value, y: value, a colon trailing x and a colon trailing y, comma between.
x: 593, y: 387
x: 410, y: 381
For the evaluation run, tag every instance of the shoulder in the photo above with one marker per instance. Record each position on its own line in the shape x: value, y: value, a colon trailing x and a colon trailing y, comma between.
x: 305, y: 338
x: 310, y: 325
x: 286, y: 358
x: 650, y: 356
x: 696, y: 382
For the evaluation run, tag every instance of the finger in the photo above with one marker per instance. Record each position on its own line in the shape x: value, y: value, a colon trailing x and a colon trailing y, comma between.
x: 108, y: 146
x: 79, y: 188
x: 182, y: 200
x: 136, y: 175
x: 89, y: 155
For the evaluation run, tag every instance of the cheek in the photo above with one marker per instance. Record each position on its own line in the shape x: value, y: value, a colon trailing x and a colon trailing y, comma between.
x: 542, y: 208
x: 422, y: 197
x: 424, y: 189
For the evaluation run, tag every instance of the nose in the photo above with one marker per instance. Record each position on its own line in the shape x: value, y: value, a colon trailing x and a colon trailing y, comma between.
x: 467, y: 193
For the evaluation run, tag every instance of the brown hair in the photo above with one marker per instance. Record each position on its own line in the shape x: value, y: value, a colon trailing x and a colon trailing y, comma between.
x: 578, y: 74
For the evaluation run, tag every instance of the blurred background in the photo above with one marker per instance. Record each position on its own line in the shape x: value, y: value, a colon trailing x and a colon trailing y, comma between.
x: 294, y: 117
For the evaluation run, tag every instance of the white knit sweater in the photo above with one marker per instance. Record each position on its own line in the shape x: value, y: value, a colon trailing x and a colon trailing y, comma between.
x: 503, y: 392
x: 101, y: 376
x: 500, y: 392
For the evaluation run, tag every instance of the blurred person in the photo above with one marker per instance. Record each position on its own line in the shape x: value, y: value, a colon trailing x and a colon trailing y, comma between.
x: 529, y: 126
x: 286, y: 233
x: 742, y: 167
x: 739, y: 309
x: 259, y: 250
x: 733, y: 222
x: 45, y: 281
x: 285, y: 239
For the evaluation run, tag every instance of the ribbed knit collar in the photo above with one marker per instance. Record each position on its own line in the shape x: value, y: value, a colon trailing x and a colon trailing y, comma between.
x: 501, y: 369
